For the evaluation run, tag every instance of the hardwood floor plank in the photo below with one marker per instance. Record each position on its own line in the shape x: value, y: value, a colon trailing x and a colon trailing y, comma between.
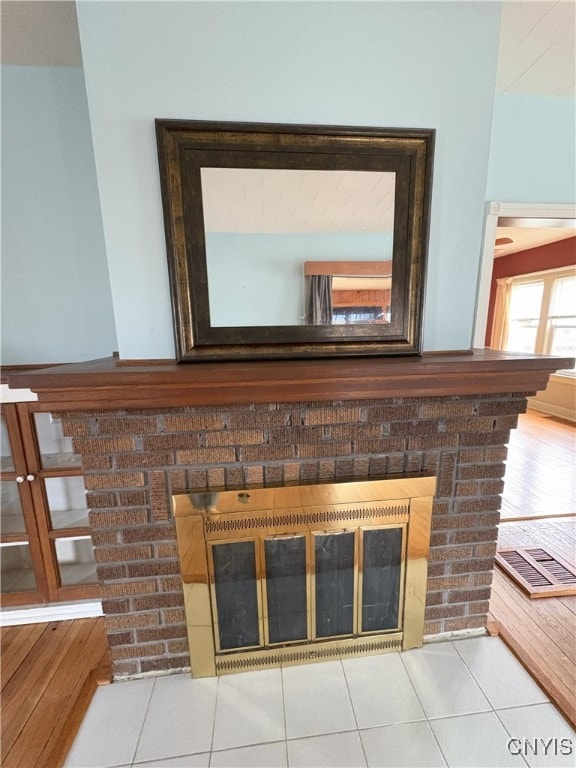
x: 513, y: 609
x: 546, y: 663
x: 61, y: 699
x: 542, y: 447
x: 29, y: 683
x: 542, y: 633
x: 539, y: 509
x: 17, y: 643
x: 45, y: 701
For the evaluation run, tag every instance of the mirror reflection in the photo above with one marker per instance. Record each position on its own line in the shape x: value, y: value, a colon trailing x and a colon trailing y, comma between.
x: 288, y: 247
x: 348, y: 292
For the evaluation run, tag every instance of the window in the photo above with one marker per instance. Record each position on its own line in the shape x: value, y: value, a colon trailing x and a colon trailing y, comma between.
x: 541, y: 315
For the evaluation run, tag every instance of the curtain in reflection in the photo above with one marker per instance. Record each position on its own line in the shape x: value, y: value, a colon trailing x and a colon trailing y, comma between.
x: 319, y: 300
x: 501, y: 309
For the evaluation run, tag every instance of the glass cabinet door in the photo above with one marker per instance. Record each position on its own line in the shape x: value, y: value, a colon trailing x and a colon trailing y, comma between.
x: 45, y: 543
x: 54, y: 449
x: 75, y: 557
x: 17, y: 568
x: 11, y: 512
x: 7, y: 458
x: 66, y: 501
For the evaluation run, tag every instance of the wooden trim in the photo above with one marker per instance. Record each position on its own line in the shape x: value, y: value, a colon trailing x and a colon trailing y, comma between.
x: 349, y: 268
x: 105, y: 384
x: 6, y: 370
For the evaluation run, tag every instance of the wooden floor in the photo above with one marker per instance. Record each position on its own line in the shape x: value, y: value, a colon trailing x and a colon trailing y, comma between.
x: 49, y: 675
x: 541, y: 632
x: 50, y: 671
x: 539, y: 508
x: 540, y: 470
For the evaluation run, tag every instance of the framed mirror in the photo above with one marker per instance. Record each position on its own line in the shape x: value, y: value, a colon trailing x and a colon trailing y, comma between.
x: 291, y: 241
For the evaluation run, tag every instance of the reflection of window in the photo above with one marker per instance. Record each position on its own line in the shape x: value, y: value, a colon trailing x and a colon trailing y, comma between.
x: 538, y: 313
x: 348, y: 315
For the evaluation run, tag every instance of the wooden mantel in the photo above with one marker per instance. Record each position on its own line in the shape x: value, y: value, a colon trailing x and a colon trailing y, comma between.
x: 111, y: 383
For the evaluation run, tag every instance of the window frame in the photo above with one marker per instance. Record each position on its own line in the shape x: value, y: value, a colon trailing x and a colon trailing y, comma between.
x: 544, y: 335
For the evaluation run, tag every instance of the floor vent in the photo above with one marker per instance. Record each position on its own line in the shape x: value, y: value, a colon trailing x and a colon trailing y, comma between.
x: 537, y: 572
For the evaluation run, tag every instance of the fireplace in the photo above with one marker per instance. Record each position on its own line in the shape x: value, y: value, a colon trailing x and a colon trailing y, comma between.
x: 287, y: 575
x: 147, y: 432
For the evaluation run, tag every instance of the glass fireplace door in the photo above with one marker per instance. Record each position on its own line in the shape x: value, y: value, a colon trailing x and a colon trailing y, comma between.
x: 296, y: 588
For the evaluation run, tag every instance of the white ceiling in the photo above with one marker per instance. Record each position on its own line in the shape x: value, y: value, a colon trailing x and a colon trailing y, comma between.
x: 285, y: 200
x: 537, y: 41
x: 41, y: 33
x: 537, y: 53
x: 525, y: 237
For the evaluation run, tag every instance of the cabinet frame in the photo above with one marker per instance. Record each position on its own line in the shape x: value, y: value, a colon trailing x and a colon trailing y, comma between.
x: 40, y: 535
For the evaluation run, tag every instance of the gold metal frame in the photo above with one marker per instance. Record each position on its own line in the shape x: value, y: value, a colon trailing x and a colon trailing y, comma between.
x: 204, y: 520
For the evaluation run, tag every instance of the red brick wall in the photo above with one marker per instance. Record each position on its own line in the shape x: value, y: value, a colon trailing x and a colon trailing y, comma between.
x: 134, y: 460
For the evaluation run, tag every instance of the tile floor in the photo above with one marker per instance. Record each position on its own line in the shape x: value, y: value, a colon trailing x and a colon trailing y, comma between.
x: 462, y: 703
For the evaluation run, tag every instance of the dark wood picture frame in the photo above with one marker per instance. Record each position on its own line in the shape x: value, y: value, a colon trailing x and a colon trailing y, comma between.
x: 184, y: 147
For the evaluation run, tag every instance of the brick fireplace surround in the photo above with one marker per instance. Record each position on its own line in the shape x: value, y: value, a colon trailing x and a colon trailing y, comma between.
x: 146, y: 431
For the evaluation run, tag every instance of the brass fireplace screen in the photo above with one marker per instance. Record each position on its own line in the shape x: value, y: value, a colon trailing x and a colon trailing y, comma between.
x: 287, y: 575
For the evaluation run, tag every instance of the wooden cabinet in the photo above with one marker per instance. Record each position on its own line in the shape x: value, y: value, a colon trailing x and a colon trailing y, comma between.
x: 46, y: 552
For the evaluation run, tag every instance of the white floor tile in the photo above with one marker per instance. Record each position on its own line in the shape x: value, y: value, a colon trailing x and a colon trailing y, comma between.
x: 381, y: 691
x: 184, y: 761
x: 180, y: 718
x: 472, y: 741
x: 503, y: 680
x: 541, y: 735
x: 406, y: 745
x: 110, y: 730
x: 249, y: 709
x: 334, y: 750
x: 257, y: 756
x: 316, y: 700
x: 442, y: 681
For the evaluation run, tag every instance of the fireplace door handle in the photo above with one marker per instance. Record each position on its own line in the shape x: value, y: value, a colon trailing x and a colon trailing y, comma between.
x: 284, y: 536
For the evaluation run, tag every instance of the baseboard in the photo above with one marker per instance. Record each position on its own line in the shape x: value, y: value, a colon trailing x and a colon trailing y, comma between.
x: 38, y: 614
x: 459, y: 634
x: 567, y: 414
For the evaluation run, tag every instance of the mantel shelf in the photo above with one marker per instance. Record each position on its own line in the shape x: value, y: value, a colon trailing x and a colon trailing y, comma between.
x: 111, y: 383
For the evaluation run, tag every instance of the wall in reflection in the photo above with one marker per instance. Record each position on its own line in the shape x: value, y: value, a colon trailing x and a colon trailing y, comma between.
x: 257, y: 279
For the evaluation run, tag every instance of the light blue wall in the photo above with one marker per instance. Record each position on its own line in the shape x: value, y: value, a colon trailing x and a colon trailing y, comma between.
x: 411, y: 64
x: 258, y: 279
x: 533, y: 150
x: 56, y: 300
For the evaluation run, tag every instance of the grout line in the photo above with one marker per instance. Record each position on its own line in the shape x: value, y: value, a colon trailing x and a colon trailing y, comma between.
x: 143, y: 721
x: 407, y: 671
x: 284, y: 714
x: 353, y: 710
x: 214, y: 719
x: 508, y: 732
